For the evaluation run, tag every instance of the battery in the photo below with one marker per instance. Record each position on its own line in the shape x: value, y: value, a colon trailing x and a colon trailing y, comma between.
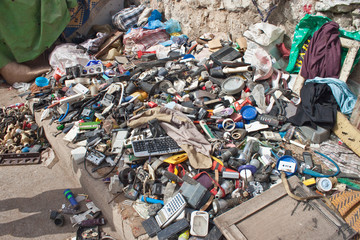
x: 300, y: 136
x: 173, y: 230
x: 231, y: 175
x: 151, y: 226
x: 289, y: 134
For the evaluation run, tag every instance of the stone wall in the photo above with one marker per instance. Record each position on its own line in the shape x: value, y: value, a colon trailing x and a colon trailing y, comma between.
x: 233, y: 17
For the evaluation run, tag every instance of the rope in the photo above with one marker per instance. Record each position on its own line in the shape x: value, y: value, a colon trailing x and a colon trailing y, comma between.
x: 268, y: 12
x: 305, y: 199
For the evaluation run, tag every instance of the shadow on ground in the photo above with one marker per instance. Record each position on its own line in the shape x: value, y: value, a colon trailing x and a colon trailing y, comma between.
x: 38, y: 223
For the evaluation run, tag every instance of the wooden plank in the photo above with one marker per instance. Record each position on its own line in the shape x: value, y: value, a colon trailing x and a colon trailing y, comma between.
x: 227, y: 219
x: 263, y: 217
x: 355, y: 116
x: 299, y: 82
x: 108, y: 43
x: 233, y: 233
x: 353, y: 47
x: 348, y: 133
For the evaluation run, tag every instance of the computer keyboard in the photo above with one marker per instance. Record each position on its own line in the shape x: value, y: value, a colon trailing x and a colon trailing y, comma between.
x: 155, y: 146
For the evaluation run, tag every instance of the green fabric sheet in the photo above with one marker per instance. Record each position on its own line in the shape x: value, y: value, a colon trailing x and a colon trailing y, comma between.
x: 28, y: 27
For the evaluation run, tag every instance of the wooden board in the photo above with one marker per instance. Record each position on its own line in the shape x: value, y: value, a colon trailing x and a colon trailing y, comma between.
x: 348, y: 133
x: 108, y: 43
x: 274, y: 215
x: 355, y: 116
x: 353, y: 47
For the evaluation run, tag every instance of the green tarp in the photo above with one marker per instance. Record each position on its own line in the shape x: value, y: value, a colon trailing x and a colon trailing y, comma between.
x: 28, y: 27
x: 304, y: 30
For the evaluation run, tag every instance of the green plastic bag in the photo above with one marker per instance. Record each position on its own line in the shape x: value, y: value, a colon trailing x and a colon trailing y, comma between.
x: 305, y: 29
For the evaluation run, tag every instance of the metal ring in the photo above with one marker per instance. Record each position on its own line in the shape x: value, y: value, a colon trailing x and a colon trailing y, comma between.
x: 228, y: 125
x: 237, y: 134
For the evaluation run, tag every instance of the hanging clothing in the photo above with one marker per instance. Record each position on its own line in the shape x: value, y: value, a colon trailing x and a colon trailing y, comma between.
x: 318, y: 107
x: 342, y: 94
x: 323, y: 57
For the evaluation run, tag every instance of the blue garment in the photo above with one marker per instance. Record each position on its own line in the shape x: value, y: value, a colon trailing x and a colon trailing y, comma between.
x: 343, y: 96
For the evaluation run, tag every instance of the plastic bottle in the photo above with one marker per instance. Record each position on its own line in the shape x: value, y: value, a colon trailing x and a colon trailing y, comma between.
x: 93, y: 88
x: 176, y: 106
x: 139, y: 94
x: 70, y: 196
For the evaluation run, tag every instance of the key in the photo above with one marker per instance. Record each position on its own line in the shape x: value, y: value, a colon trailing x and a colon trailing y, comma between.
x: 57, y: 133
x: 52, y: 120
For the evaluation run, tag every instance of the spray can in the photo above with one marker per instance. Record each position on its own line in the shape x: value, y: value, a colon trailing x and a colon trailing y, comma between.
x: 70, y: 196
x: 289, y: 134
x: 220, y: 204
x: 228, y: 187
x: 300, y: 136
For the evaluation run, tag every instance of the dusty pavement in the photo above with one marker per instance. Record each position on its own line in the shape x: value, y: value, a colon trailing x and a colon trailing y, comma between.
x: 29, y: 192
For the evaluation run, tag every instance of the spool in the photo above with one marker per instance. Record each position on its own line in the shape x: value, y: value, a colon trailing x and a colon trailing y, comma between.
x: 246, y: 175
x: 219, y: 204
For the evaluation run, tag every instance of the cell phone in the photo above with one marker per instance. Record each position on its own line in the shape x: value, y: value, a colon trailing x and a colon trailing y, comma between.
x: 309, y: 164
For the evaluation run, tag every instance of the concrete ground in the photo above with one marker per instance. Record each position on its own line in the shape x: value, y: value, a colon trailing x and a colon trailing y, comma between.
x: 29, y: 192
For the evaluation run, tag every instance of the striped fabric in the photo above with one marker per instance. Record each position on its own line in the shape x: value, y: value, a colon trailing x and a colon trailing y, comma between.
x: 127, y: 18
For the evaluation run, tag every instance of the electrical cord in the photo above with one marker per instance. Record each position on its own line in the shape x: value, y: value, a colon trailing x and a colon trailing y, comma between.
x: 122, y: 92
x: 107, y: 174
x: 305, y: 199
x: 63, y: 116
x: 94, y: 99
x: 316, y: 174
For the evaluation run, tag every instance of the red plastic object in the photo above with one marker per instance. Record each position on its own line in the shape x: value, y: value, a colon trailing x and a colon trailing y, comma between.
x: 236, y: 117
x: 238, y: 106
x: 26, y: 125
x: 140, y: 53
x: 152, y: 104
x: 109, y: 64
x: 246, y: 89
x: 307, y: 8
x: 57, y: 77
x: 16, y: 105
x: 220, y: 167
x: 283, y: 50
